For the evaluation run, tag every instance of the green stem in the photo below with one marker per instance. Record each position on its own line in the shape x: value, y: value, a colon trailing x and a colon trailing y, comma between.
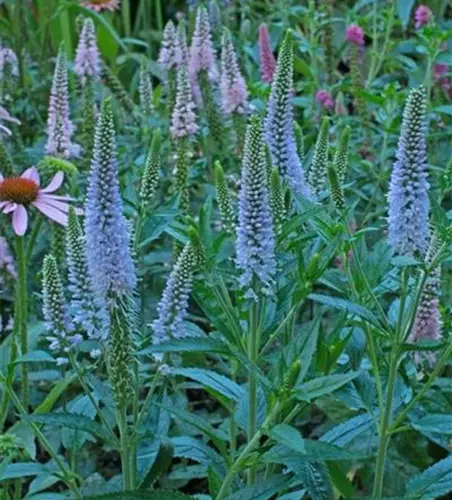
x: 22, y: 317
x: 66, y: 31
x: 33, y: 237
x: 237, y: 465
x: 233, y: 425
x: 125, y: 448
x: 252, y: 402
x: 125, y: 4
x: 159, y: 15
x: 425, y: 388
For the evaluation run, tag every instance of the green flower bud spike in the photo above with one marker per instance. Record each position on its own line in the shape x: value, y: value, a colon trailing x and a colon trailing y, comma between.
x: 225, y: 205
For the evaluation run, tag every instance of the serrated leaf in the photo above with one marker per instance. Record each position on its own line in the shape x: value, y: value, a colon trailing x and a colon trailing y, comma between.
x: 263, y: 490
x: 161, y: 463
x: 189, y: 344
x: 141, y: 495
x: 321, y: 386
x: 344, y: 433
x: 71, y: 421
x: 345, y: 305
x: 217, y: 382
x: 316, y: 480
x: 289, y: 436
x: 198, y: 451
x: 436, y: 422
x: 434, y: 482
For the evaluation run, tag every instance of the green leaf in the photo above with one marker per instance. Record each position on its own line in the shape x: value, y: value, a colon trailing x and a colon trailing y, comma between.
x: 71, y: 421
x: 189, y: 344
x: 141, y: 495
x: 434, y: 482
x: 23, y: 469
x: 436, y: 422
x: 264, y: 489
x: 289, y: 436
x: 54, y: 394
x: 210, y: 379
x: 196, y: 450
x: 161, y: 463
x: 320, y: 386
x: 346, y: 432
x: 404, y: 10
x: 444, y: 109
x: 36, y: 357
x: 345, y: 305
x: 214, y: 481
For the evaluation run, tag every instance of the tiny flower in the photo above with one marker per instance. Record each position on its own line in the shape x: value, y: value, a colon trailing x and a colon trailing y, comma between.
x: 87, y: 58
x: 100, y: 5
x: 8, y: 56
x: 355, y: 34
x: 95, y: 353
x: 62, y: 361
x: 324, y: 98
x: 18, y: 193
x: 267, y: 59
x: 5, y: 116
x: 422, y: 16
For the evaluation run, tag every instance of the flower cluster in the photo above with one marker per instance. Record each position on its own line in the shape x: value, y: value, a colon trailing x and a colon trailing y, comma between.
x: 60, y: 329
x: 232, y: 84
x: 87, y: 58
x: 422, y: 16
x: 255, y: 236
x: 202, y: 56
x: 173, y: 305
x: 59, y: 126
x: 408, y: 190
x: 355, y: 34
x: 8, y: 57
x: 318, y: 169
x: 279, y: 124
x: 168, y: 49
x: 183, y: 122
x: 324, y: 98
x: 100, y: 5
x: 109, y: 259
x: 145, y: 90
x: 267, y: 59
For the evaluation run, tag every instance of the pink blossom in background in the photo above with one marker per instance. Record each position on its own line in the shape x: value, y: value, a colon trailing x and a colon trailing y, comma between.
x: 439, y: 70
x: 324, y: 98
x: 18, y: 193
x: 267, y: 59
x: 8, y: 56
x: 422, y: 16
x: 100, y: 5
x: 234, y: 95
x: 355, y: 34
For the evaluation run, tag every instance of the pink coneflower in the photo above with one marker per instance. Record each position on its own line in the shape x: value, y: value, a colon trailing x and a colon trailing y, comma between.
x: 18, y: 193
x: 5, y: 116
x: 100, y: 5
x: 422, y: 16
x: 355, y: 34
x: 324, y: 98
x: 267, y: 59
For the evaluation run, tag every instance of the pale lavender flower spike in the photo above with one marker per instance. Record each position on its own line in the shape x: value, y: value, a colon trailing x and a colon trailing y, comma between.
x: 279, y: 123
x: 234, y: 95
x: 173, y: 305
x: 8, y: 56
x: 87, y: 58
x: 181, y: 48
x: 5, y: 116
x: 167, y: 55
x: 183, y: 120
x: 408, y: 189
x: 108, y: 252
x: 59, y: 126
x: 255, y: 235
x: 202, y: 55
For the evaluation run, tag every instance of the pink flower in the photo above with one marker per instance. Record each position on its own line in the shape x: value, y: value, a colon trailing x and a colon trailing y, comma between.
x: 324, y: 98
x: 422, y: 16
x: 439, y: 70
x: 267, y: 59
x: 355, y: 34
x: 17, y: 193
x: 99, y: 5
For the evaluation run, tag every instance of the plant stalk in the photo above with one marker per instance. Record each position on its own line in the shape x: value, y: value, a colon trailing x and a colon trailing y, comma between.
x: 252, y: 402
x: 22, y: 313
